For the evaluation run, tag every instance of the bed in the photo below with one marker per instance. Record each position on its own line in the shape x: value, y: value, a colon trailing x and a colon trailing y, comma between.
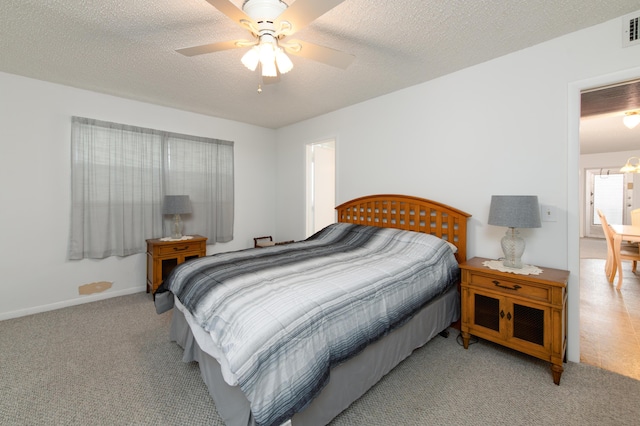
x: 323, y: 374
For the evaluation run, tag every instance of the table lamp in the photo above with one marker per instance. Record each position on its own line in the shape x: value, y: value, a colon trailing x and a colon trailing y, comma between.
x: 176, y: 205
x: 514, y: 211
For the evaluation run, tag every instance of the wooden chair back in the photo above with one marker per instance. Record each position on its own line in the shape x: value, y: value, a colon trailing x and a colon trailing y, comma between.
x: 635, y: 217
x: 608, y: 235
x: 626, y: 253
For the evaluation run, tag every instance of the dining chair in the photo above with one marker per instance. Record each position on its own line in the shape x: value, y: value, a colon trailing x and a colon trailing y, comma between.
x: 626, y: 252
x: 635, y: 217
x: 610, y: 263
x: 635, y: 221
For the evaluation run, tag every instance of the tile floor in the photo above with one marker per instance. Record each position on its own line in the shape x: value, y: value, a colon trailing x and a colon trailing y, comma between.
x: 610, y: 319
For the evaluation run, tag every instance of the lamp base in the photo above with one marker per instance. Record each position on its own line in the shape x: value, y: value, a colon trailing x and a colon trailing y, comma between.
x: 177, y: 227
x: 513, y: 248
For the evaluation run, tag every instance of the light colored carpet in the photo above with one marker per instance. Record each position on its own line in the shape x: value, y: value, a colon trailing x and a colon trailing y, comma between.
x: 593, y: 248
x: 111, y: 363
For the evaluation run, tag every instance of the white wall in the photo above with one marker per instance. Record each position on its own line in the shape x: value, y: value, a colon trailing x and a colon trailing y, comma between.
x: 508, y: 126
x: 35, y: 129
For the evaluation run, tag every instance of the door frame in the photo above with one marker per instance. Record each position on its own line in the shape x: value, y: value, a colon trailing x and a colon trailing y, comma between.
x: 573, y: 198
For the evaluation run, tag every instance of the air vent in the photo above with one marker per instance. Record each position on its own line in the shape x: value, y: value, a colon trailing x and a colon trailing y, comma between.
x: 631, y: 29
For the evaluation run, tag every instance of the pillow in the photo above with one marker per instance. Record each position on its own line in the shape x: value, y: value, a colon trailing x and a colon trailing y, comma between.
x: 454, y: 248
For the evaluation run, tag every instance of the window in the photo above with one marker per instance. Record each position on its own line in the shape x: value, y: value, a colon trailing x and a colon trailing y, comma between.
x: 120, y: 174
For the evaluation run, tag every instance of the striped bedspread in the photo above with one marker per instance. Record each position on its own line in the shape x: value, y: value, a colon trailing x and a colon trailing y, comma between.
x: 282, y: 316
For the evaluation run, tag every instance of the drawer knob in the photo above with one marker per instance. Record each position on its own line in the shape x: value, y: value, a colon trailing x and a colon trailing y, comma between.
x: 497, y: 284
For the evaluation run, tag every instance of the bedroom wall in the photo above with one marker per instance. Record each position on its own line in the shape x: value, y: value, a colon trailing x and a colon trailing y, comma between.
x: 507, y: 126
x: 35, y: 129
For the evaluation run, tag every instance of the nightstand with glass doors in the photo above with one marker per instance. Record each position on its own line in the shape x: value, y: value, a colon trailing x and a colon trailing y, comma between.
x: 163, y: 256
x: 527, y: 313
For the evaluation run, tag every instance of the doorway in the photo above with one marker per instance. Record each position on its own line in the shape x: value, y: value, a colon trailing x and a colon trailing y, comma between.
x: 321, y: 187
x: 605, y: 314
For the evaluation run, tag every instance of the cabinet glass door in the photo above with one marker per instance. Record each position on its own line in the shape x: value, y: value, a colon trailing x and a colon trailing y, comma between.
x: 487, y: 311
x: 509, y: 320
x: 167, y: 266
x: 529, y: 325
x: 484, y: 315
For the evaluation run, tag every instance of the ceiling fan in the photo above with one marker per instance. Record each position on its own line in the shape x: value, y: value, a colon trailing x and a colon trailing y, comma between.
x: 270, y: 23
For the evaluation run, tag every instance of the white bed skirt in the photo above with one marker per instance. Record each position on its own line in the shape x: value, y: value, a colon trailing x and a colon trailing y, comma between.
x: 348, y: 381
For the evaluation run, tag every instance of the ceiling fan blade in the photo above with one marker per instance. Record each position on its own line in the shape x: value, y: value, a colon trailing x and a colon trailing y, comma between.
x: 326, y: 55
x: 215, y: 47
x: 302, y: 12
x: 231, y: 10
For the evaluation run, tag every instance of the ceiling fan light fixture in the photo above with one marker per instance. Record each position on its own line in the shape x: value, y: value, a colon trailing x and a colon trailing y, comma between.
x: 631, y: 119
x: 269, y: 69
x: 284, y: 63
x: 270, y: 22
x: 267, y: 53
x: 264, y: 9
x: 632, y: 165
x: 251, y: 58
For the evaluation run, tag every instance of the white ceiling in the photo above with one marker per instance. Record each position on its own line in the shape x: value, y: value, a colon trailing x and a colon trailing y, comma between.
x: 606, y: 133
x: 127, y: 48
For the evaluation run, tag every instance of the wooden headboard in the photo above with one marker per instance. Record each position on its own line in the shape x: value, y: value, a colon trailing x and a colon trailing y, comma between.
x: 411, y: 214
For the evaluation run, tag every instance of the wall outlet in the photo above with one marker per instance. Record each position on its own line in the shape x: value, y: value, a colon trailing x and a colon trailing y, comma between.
x: 548, y: 213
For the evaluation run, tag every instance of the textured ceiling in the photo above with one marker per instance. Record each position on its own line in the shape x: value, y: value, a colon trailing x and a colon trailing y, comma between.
x: 127, y: 48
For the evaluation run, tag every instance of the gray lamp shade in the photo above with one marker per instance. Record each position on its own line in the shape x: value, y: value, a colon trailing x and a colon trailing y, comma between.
x: 176, y: 204
x: 515, y: 211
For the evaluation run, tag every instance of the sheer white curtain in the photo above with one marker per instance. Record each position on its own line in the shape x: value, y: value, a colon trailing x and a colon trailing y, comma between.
x: 204, y: 171
x: 120, y: 175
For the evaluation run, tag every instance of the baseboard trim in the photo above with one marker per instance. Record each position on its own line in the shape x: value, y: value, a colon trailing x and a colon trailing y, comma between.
x: 68, y: 303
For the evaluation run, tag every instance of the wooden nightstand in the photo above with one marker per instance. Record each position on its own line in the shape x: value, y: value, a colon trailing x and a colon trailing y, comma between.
x: 527, y: 313
x: 163, y: 256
